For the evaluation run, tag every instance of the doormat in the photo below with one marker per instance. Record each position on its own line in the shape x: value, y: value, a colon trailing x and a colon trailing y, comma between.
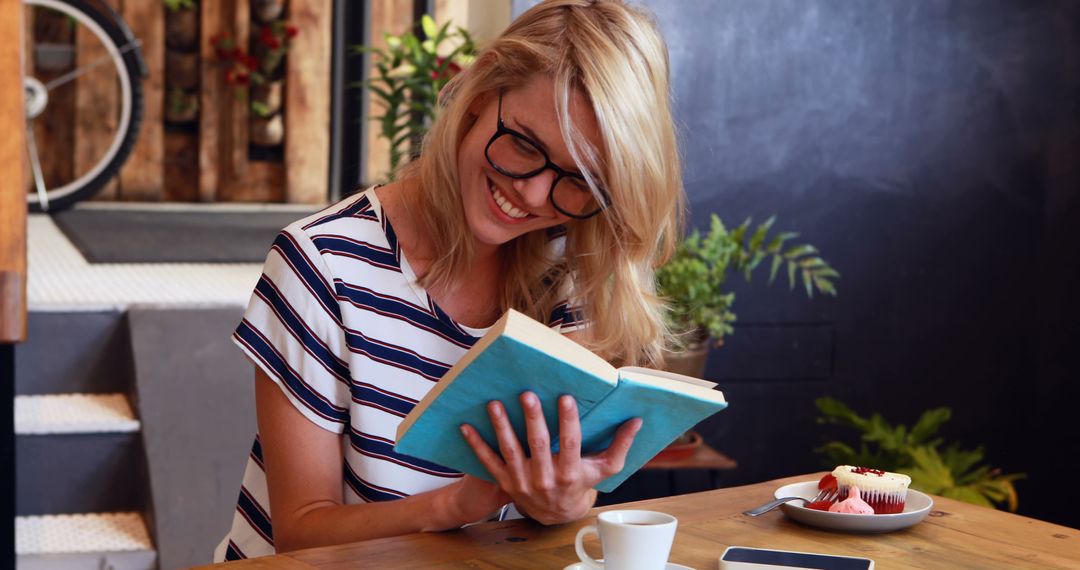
x: 127, y: 235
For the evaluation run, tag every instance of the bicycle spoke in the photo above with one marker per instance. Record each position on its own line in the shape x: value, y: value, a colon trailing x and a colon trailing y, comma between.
x: 75, y: 73
x: 35, y: 166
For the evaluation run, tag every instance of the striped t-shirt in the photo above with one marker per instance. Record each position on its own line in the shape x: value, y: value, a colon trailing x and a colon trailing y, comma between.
x: 339, y: 323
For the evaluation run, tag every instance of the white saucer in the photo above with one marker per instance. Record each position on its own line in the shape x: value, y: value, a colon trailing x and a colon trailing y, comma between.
x: 916, y: 507
x: 582, y: 566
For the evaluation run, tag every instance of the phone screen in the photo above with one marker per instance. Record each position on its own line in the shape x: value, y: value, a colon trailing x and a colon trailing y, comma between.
x: 795, y: 559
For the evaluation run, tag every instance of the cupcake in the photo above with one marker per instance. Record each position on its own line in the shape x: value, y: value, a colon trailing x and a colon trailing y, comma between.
x: 885, y: 492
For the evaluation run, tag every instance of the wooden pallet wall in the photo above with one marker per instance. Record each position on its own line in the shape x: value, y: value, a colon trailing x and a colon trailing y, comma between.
x: 210, y: 159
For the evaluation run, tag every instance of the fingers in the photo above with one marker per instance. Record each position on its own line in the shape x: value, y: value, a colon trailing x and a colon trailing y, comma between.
x: 543, y: 471
x: 614, y: 457
x: 569, y: 435
x: 512, y: 455
x: 484, y: 453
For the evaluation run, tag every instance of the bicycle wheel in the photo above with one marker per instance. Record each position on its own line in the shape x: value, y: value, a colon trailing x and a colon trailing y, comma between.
x: 84, y: 99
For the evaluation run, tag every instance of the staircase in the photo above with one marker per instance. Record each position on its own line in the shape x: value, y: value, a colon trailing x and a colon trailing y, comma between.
x: 82, y: 491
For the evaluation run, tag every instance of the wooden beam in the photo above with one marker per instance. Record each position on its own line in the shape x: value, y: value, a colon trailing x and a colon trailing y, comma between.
x: 307, y: 100
x: 12, y: 192
x: 141, y: 178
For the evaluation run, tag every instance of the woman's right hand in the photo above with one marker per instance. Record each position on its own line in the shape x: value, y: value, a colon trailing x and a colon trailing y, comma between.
x: 471, y: 499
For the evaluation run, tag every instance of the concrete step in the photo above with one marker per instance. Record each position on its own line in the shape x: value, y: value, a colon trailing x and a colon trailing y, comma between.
x: 74, y: 413
x: 75, y: 352
x: 80, y: 473
x: 93, y: 541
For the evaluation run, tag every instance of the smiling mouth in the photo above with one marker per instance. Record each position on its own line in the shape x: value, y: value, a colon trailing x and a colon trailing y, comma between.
x: 504, y: 203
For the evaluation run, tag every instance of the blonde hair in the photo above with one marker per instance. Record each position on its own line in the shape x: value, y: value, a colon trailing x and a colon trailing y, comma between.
x: 614, y: 54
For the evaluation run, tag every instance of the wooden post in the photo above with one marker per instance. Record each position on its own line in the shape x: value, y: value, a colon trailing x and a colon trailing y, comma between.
x: 142, y: 175
x: 97, y: 95
x: 307, y: 116
x: 214, y: 20
x: 387, y: 16
x: 12, y: 191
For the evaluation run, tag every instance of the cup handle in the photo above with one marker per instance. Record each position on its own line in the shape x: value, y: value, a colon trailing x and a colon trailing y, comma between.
x: 579, y: 546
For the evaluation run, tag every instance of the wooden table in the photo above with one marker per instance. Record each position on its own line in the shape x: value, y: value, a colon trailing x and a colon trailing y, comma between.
x: 955, y: 535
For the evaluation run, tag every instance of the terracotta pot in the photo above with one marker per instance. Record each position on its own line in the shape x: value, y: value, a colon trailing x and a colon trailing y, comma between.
x: 269, y: 95
x: 690, y: 363
x: 181, y: 69
x: 267, y: 11
x: 181, y: 106
x: 266, y: 131
x: 182, y: 29
x: 681, y: 448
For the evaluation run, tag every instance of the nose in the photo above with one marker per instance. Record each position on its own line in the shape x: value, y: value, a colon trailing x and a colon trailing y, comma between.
x: 534, y: 191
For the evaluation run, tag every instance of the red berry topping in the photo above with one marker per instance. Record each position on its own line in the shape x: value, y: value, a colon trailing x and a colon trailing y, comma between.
x: 827, y: 482
x: 868, y: 471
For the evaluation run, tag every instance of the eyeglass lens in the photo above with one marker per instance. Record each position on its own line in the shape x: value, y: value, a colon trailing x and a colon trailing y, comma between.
x: 516, y: 156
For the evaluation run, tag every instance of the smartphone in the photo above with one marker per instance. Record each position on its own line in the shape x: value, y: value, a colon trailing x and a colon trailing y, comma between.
x: 746, y: 558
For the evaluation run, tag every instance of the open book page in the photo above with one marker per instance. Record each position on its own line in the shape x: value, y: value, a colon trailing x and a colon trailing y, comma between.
x: 663, y: 378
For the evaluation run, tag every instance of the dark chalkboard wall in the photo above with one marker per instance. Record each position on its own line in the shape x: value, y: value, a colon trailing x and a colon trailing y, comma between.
x: 930, y: 149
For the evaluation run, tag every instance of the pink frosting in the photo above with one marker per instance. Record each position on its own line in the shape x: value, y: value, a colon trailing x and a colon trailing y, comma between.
x: 853, y: 504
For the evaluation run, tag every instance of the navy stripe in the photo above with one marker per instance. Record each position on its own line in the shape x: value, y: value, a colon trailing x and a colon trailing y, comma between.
x: 299, y: 329
x: 369, y: 491
x: 256, y: 452
x: 402, y: 310
x: 233, y: 552
x: 380, y: 448
x: 369, y: 395
x: 355, y: 249
x: 254, y: 514
x: 395, y: 356
x: 252, y: 339
x: 305, y: 270
x: 358, y: 207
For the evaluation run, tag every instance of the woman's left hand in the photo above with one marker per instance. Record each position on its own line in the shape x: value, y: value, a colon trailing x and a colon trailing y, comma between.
x: 550, y: 488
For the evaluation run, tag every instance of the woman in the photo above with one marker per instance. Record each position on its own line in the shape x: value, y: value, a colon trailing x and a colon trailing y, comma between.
x: 550, y: 183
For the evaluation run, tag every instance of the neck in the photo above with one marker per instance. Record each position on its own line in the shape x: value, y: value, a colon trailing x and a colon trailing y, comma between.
x: 486, y: 259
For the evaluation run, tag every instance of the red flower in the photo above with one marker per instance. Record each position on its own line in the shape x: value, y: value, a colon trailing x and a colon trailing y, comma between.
x: 230, y: 76
x: 250, y: 62
x: 291, y: 31
x: 267, y: 37
x: 449, y: 71
x: 243, y: 79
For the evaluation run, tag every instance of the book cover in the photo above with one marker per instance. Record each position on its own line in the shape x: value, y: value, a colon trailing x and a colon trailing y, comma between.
x: 519, y: 354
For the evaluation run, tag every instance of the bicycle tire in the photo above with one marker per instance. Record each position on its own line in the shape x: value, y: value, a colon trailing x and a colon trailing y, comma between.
x: 132, y: 67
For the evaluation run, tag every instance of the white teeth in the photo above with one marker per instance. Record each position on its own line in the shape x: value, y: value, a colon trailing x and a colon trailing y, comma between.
x: 505, y: 204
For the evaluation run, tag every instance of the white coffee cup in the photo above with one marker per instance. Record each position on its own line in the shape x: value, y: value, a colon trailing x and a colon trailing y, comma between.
x: 631, y: 540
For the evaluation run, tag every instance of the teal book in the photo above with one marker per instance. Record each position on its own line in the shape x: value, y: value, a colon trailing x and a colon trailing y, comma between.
x: 519, y: 354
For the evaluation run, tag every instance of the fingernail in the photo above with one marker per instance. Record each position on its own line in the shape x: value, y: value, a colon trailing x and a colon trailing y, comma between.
x: 567, y: 402
x: 495, y: 407
x: 464, y: 430
x: 529, y: 399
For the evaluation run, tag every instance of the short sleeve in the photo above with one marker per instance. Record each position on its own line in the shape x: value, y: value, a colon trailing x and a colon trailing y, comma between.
x: 292, y: 330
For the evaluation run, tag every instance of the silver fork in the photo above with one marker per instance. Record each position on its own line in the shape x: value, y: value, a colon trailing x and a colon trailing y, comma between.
x: 823, y: 495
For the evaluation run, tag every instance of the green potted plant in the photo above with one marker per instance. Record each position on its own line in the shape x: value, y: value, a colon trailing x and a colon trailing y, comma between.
x: 694, y: 283
x: 410, y: 73
x: 934, y: 468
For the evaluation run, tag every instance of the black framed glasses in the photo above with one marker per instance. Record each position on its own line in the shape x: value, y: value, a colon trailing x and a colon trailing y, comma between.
x: 515, y: 155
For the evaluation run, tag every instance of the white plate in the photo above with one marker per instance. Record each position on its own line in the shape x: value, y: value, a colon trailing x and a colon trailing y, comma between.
x: 916, y: 507
x: 582, y: 566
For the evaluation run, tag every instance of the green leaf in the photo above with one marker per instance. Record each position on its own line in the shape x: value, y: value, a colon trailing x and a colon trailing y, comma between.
x: 776, y: 263
x: 427, y: 23
x: 928, y: 424
x: 800, y: 250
